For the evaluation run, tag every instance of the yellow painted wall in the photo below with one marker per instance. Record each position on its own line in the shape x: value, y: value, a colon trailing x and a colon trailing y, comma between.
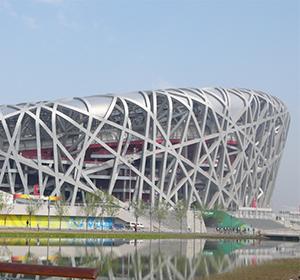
x: 69, y: 222
x: 42, y: 221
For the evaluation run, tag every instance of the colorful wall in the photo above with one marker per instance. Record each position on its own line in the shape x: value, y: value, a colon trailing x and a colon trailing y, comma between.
x: 69, y: 222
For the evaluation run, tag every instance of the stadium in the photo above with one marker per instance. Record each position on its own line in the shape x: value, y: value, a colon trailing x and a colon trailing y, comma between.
x: 212, y: 146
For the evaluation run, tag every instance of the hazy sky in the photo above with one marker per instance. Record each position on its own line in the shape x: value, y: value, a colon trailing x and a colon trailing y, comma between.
x: 54, y: 48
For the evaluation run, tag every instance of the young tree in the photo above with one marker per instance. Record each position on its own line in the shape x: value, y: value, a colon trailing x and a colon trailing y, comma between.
x: 90, y: 207
x: 111, y: 206
x: 2, y: 201
x: 149, y: 211
x: 139, y: 208
x: 198, y: 212
x: 5, y: 206
x: 31, y: 208
x: 218, y: 207
x: 100, y: 201
x: 180, y: 208
x: 160, y: 212
x: 61, y: 210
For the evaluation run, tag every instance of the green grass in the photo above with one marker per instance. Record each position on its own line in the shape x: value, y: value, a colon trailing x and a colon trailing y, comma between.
x: 115, y: 235
x: 274, y: 270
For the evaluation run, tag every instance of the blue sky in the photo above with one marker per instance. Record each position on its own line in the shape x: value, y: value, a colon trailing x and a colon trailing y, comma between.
x: 57, y: 48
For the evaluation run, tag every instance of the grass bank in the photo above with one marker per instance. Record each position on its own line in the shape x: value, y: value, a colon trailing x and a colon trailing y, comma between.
x: 5, y: 233
x: 274, y: 270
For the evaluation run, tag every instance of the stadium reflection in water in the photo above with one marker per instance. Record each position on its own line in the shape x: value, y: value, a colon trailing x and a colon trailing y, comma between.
x: 165, y: 259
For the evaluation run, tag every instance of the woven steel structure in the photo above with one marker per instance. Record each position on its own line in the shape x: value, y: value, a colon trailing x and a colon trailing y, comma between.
x: 214, y: 146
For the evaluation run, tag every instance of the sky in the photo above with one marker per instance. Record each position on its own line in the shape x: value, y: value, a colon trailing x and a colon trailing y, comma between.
x: 61, y: 48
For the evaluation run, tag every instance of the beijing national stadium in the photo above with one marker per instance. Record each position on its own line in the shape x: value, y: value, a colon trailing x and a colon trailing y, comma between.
x: 211, y: 146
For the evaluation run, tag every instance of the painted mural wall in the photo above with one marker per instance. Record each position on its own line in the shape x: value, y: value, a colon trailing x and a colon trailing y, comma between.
x: 68, y: 222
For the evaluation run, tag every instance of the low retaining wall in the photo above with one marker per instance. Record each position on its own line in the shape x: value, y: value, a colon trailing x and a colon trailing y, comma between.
x: 67, y: 222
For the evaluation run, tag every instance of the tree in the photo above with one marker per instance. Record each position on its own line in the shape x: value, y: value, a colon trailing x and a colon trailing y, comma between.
x: 31, y: 208
x: 5, y: 206
x: 180, y: 208
x: 90, y: 207
x: 62, y: 260
x: 2, y: 201
x: 111, y: 206
x: 100, y: 201
x: 160, y: 212
x: 95, y: 205
x: 198, y: 213
x: 218, y: 207
x: 139, y: 208
x: 61, y: 210
x: 150, y: 211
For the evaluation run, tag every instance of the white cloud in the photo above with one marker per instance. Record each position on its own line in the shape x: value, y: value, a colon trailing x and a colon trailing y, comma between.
x: 64, y: 21
x: 162, y: 84
x: 30, y: 22
x: 55, y: 2
x: 6, y: 6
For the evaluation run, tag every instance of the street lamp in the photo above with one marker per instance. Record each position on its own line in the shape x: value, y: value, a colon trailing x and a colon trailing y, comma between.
x: 48, y: 212
x: 194, y: 219
x: 150, y: 217
x: 129, y: 195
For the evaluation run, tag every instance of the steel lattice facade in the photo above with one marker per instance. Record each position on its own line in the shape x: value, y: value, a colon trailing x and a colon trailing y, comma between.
x: 214, y: 146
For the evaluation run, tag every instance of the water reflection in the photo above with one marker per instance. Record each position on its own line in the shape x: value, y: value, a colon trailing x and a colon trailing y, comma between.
x: 165, y: 259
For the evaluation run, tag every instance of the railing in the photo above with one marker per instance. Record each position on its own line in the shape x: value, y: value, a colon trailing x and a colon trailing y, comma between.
x: 254, y: 213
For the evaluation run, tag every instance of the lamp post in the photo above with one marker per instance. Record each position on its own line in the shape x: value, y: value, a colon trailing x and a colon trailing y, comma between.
x: 131, y: 163
x: 194, y: 219
x: 150, y: 218
x: 48, y: 206
x: 129, y: 195
x: 201, y: 220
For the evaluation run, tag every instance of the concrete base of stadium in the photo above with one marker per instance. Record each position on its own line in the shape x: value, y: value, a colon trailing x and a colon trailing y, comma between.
x: 189, y: 224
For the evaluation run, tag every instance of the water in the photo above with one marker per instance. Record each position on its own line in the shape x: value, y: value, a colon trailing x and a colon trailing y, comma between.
x: 164, y: 259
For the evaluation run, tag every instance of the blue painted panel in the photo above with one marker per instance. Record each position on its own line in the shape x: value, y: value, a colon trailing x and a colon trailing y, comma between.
x: 92, y: 222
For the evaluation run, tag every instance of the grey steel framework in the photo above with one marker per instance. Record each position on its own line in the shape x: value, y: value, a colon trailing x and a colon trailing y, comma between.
x: 214, y: 146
